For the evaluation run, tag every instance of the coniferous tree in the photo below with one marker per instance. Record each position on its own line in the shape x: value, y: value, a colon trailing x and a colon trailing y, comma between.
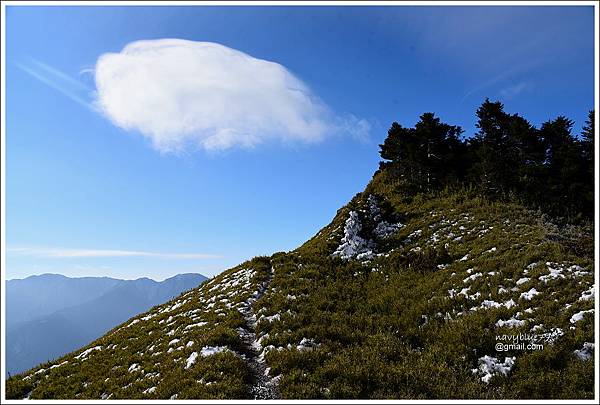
x: 398, y: 152
x: 587, y: 136
x: 526, y: 155
x: 496, y: 153
x: 587, y: 145
x: 563, y: 168
x: 545, y: 168
x: 425, y: 156
x: 438, y: 146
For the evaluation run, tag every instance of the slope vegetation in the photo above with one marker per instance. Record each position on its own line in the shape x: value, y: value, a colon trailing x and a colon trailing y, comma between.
x: 396, y: 298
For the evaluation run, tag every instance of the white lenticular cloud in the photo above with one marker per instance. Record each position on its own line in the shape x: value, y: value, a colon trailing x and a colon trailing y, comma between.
x: 181, y: 93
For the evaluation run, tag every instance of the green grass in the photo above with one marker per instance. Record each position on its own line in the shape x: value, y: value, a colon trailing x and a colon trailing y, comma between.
x: 387, y: 328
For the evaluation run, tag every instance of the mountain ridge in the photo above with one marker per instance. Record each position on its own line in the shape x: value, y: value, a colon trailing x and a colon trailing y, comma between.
x: 398, y: 297
x: 59, y: 330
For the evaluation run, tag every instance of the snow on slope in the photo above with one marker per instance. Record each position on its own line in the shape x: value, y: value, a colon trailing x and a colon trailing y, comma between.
x: 237, y: 328
x: 353, y: 245
x: 185, y: 334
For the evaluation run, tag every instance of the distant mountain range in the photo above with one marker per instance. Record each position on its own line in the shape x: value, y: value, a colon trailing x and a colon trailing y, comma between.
x: 50, y: 315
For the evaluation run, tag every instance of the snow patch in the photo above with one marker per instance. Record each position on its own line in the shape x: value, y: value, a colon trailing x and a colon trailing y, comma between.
x: 535, y: 328
x: 472, y: 277
x: 490, y: 366
x: 173, y: 307
x: 191, y: 360
x: 414, y: 234
x: 58, y: 365
x: 510, y: 323
x: 383, y: 229
x: 579, y: 315
x: 195, y: 325
x: 586, y: 352
x: 493, y: 304
x: 134, y: 367
x: 352, y: 244
x: 306, y: 344
x: 83, y: 355
x: 212, y: 350
x: 133, y: 323
x: 558, y: 270
x: 587, y: 295
x: 148, y: 317
x: 528, y: 296
x: 270, y: 319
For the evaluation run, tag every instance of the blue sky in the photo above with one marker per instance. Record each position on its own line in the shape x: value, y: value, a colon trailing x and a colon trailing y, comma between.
x: 114, y: 191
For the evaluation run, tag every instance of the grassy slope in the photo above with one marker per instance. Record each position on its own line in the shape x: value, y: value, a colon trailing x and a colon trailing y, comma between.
x: 386, y: 328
